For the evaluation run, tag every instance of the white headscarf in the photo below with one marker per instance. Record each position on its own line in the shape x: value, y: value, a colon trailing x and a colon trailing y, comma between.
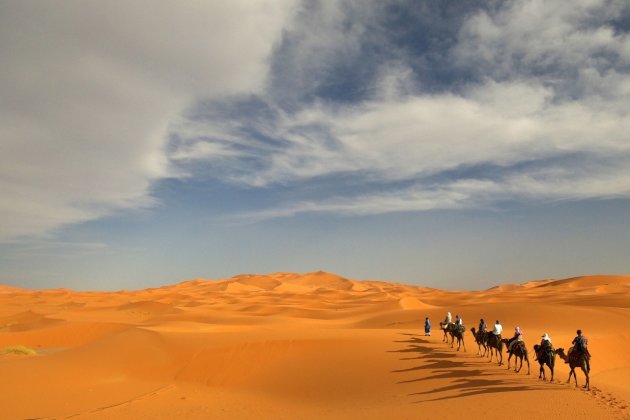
x: 546, y: 337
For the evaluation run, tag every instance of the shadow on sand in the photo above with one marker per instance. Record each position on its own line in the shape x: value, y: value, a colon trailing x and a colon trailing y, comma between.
x: 451, y: 374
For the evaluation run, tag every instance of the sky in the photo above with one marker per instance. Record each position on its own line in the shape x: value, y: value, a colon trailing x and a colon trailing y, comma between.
x: 451, y: 144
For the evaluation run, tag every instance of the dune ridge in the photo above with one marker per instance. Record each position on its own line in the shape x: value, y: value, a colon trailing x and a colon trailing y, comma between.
x: 300, y: 345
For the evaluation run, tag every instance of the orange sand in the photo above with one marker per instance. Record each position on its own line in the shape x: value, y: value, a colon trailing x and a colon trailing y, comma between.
x: 304, y: 346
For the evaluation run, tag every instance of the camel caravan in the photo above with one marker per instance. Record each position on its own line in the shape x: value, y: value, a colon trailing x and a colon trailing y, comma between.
x: 491, y: 344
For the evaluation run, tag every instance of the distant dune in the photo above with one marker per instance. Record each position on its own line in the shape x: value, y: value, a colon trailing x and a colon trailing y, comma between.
x: 314, y: 345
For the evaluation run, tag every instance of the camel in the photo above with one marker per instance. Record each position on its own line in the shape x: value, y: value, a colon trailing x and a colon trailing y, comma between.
x: 456, y: 332
x: 481, y: 338
x: 519, y: 351
x: 577, y: 360
x: 446, y: 327
x: 495, y: 345
x: 548, y: 358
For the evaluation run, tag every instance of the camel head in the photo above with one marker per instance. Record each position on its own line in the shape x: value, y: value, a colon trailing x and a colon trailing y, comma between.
x: 560, y: 352
x: 472, y: 330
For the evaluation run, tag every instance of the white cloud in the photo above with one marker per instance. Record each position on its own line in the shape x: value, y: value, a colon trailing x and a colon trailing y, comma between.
x: 546, y: 40
x: 546, y: 109
x: 555, y: 184
x: 89, y: 90
x: 494, y: 124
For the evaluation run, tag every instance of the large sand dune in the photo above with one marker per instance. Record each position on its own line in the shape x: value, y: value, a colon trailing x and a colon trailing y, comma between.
x: 310, y: 345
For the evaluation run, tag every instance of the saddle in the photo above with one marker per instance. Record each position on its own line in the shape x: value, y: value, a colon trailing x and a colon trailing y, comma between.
x: 545, y: 348
x: 519, y: 345
x: 575, y: 354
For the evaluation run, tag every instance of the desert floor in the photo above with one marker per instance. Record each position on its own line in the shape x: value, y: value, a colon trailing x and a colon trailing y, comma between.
x: 304, y: 346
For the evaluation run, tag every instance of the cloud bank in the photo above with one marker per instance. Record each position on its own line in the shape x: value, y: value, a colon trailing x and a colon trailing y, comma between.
x: 89, y: 90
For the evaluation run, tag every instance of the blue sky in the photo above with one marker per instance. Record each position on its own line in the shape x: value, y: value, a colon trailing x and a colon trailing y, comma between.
x: 451, y: 144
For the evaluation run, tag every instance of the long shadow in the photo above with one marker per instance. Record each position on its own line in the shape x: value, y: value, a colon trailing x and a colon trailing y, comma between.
x: 413, y: 349
x: 459, y: 374
x: 479, y: 391
x: 448, y: 374
x: 437, y: 365
x: 453, y: 368
x: 429, y: 355
x: 413, y: 338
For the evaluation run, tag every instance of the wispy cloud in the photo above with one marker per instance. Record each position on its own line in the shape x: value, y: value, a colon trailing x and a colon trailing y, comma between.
x: 28, y: 249
x: 518, y: 114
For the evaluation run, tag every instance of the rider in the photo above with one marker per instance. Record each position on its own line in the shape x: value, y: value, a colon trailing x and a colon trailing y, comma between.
x: 482, y: 326
x: 497, y: 330
x: 545, y: 345
x: 546, y: 341
x: 518, y: 336
x: 459, y: 323
x: 448, y: 318
x: 580, y: 345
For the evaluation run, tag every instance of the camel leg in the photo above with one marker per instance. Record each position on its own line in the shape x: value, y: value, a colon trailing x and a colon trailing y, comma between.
x: 575, y: 377
x: 572, y: 372
x: 587, y: 384
x: 527, y: 360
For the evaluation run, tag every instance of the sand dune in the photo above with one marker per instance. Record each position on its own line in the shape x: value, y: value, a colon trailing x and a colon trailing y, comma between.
x: 313, y: 345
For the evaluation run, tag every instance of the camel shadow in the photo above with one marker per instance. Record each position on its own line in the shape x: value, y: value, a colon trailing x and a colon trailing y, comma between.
x: 447, y: 374
x: 435, y: 365
x: 412, y: 338
x: 429, y: 355
x: 412, y: 348
x: 468, y: 387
